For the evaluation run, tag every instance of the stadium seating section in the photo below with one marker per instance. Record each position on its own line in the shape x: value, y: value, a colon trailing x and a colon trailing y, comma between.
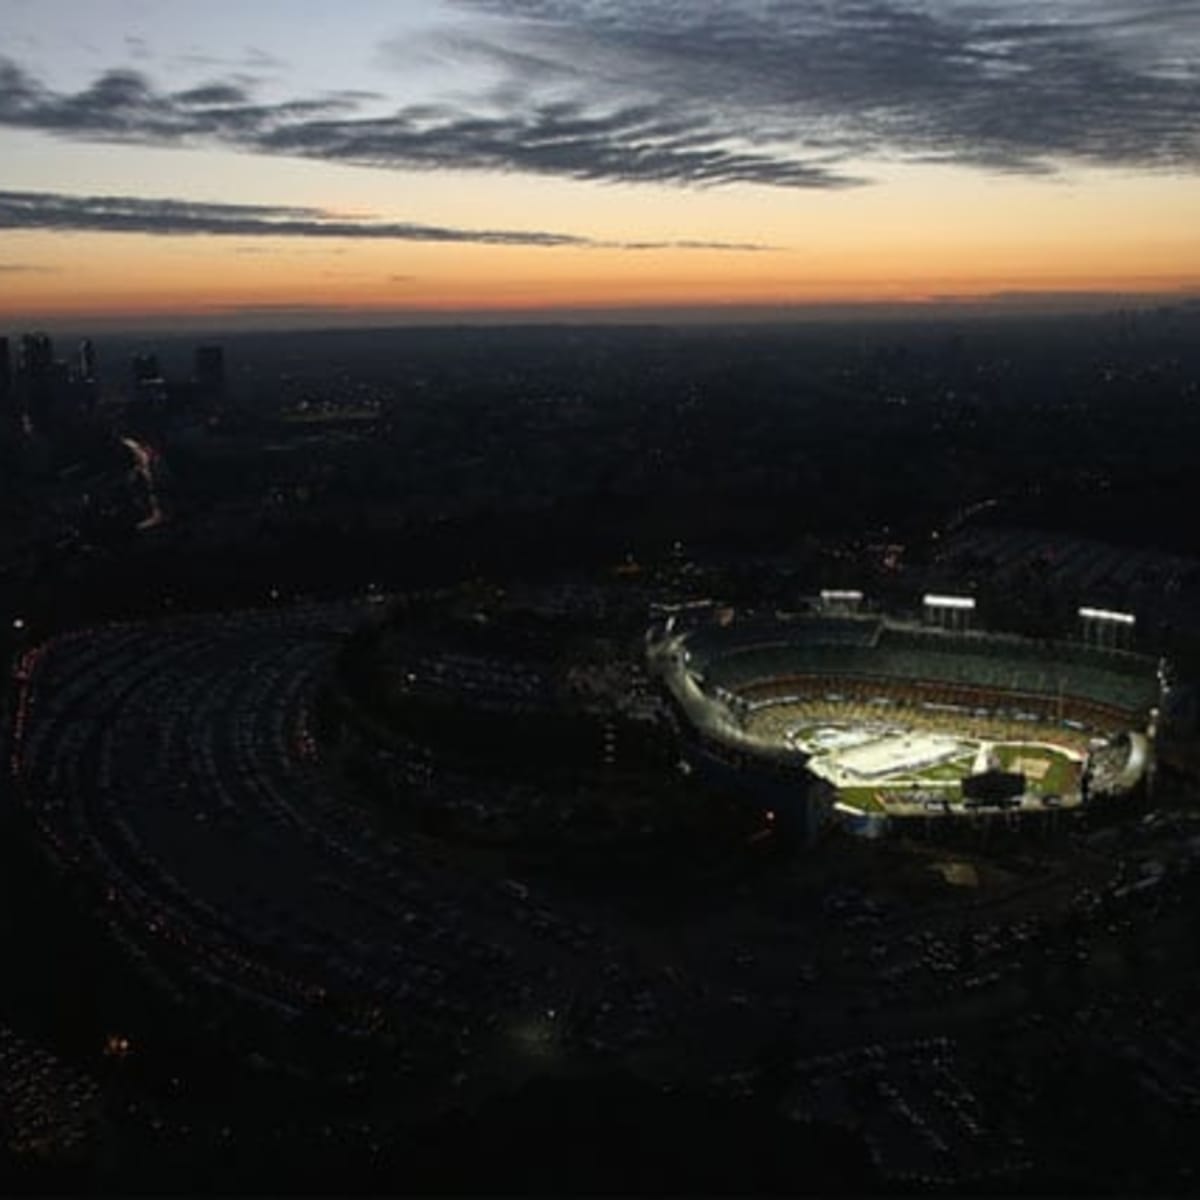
x: 736, y: 658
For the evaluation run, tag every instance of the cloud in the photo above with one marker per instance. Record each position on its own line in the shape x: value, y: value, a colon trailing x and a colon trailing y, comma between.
x: 19, y: 268
x: 574, y: 139
x: 699, y: 94
x: 124, y: 106
x: 133, y: 214
x: 210, y: 96
x: 1004, y: 84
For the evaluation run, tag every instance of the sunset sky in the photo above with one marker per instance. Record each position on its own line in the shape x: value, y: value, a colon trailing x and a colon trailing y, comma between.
x: 256, y: 161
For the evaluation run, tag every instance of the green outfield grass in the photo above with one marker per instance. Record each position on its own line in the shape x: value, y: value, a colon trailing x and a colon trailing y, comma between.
x: 862, y: 798
x: 947, y: 771
x: 1062, y: 772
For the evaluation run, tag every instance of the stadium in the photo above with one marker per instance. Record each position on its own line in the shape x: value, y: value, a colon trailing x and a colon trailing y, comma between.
x: 871, y: 721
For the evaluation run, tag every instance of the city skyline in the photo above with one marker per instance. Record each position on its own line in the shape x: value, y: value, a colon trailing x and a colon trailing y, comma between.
x: 497, y: 159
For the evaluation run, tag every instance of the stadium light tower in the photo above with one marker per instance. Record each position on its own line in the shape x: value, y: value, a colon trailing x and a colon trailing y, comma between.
x: 1103, y: 627
x: 841, y: 602
x: 949, y: 612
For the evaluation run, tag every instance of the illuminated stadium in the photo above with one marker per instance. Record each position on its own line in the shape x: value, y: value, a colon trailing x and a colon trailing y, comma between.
x: 874, y: 720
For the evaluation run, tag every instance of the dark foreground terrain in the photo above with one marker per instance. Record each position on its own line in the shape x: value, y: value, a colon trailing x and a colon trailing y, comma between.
x: 250, y: 942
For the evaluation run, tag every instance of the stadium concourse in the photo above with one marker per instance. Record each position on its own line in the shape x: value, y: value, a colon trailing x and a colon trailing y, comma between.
x: 902, y: 720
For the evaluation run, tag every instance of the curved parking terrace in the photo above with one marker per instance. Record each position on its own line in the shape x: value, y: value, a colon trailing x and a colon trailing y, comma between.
x: 174, y: 766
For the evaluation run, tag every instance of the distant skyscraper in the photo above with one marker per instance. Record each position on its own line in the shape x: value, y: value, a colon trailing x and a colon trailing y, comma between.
x: 37, y: 356
x: 145, y: 369
x: 36, y: 390
x: 87, y: 361
x: 84, y: 383
x: 149, y: 386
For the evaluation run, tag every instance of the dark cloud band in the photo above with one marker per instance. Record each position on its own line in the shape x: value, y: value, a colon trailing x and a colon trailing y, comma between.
x: 132, y: 214
x: 575, y: 139
x: 1004, y: 84
x: 785, y: 94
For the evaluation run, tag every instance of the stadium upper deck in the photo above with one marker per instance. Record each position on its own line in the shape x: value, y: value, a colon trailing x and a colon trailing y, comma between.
x: 760, y: 652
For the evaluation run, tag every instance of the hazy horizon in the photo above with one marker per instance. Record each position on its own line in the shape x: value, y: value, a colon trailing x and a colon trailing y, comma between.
x: 315, y: 319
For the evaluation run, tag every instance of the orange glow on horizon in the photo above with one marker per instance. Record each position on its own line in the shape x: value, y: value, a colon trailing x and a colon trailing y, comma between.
x: 905, y: 260
x: 539, y: 295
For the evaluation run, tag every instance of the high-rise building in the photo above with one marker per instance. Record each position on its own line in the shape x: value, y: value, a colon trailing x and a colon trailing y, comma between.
x: 145, y: 369
x: 36, y: 386
x: 84, y: 383
x: 149, y: 386
x: 37, y: 356
x: 86, y: 364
